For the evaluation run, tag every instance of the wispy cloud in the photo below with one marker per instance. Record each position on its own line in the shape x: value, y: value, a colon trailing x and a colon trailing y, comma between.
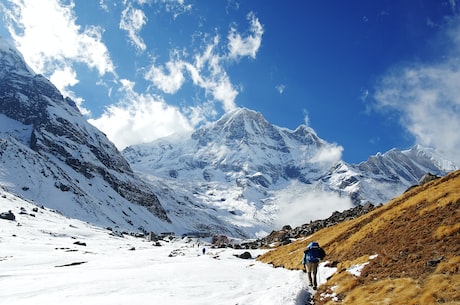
x: 280, y: 88
x: 299, y: 203
x: 206, y: 70
x: 47, y: 35
x: 54, y: 44
x: 176, y: 7
x: 240, y: 46
x: 328, y: 154
x: 132, y: 21
x: 140, y: 118
x: 168, y: 78
x: 427, y: 97
x: 51, y: 41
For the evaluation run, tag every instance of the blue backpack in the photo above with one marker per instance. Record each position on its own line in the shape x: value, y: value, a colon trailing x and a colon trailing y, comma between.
x: 313, y: 254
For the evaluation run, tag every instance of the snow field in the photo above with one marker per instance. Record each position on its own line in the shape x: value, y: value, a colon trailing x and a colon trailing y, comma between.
x: 41, y: 264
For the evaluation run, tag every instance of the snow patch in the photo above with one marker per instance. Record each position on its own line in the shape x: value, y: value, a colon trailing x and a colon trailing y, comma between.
x: 356, y: 269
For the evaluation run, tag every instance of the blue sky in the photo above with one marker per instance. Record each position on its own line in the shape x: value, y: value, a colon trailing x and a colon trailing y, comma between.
x: 367, y: 76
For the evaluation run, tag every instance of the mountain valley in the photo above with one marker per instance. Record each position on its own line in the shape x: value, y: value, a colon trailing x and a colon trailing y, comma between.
x: 239, y: 176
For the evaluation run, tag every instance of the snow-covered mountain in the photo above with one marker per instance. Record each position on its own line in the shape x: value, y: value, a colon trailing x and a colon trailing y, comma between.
x: 387, y: 175
x: 261, y: 176
x: 240, y: 176
x: 233, y: 168
x: 49, y: 153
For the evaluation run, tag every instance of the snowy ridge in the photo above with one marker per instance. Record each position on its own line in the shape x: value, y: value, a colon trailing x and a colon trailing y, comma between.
x: 384, y: 176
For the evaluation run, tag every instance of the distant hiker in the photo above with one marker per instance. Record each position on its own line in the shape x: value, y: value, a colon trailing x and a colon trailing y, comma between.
x: 204, y: 251
x: 311, y: 257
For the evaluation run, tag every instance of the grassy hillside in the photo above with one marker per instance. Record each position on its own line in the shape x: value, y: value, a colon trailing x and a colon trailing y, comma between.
x: 416, y: 238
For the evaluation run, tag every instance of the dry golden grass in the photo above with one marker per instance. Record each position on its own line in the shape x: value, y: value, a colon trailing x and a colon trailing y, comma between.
x: 444, y: 231
x: 420, y: 225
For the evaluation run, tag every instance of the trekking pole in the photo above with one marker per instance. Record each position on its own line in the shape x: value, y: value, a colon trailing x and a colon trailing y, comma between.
x: 319, y: 275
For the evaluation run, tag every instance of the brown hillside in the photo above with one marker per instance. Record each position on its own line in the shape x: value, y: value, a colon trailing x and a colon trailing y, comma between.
x: 416, y: 238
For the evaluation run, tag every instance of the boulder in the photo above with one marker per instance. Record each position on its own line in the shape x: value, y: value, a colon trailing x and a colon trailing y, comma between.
x: 245, y: 255
x: 8, y: 216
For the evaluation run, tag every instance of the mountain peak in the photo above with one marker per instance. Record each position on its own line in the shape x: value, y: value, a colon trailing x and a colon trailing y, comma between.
x: 11, y: 60
x: 243, y: 113
x: 242, y: 119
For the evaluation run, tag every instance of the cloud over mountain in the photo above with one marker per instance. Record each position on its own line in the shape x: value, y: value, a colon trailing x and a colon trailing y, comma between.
x: 427, y: 97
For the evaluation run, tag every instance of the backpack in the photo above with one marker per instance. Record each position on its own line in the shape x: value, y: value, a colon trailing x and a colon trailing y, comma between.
x: 313, y: 254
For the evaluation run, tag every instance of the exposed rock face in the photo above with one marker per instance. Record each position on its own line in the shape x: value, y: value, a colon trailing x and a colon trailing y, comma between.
x: 427, y: 178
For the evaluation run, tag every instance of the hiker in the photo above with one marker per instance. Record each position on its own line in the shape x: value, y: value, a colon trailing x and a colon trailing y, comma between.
x: 311, y: 257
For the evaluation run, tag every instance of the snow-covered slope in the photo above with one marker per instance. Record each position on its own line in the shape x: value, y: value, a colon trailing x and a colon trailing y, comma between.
x: 47, y: 258
x: 50, y: 154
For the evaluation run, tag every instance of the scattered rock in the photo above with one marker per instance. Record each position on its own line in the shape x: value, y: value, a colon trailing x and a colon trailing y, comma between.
x: 245, y: 255
x: 7, y: 215
x: 220, y: 241
x: 79, y: 243
x: 151, y: 236
x: 71, y: 264
x: 427, y: 178
x: 116, y: 233
x: 176, y: 252
x: 433, y: 262
x: 287, y: 234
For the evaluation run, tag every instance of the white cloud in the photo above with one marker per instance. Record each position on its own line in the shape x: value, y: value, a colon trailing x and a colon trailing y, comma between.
x: 132, y: 21
x: 223, y: 90
x: 47, y: 35
x: 176, y: 7
x: 103, y: 5
x: 299, y: 203
x: 206, y: 72
x: 280, y: 88
x: 246, y: 46
x: 306, y: 117
x: 169, y: 82
x: 63, y: 78
x: 141, y: 118
x: 427, y: 96
x: 53, y: 44
x: 330, y: 153
x: 198, y: 114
